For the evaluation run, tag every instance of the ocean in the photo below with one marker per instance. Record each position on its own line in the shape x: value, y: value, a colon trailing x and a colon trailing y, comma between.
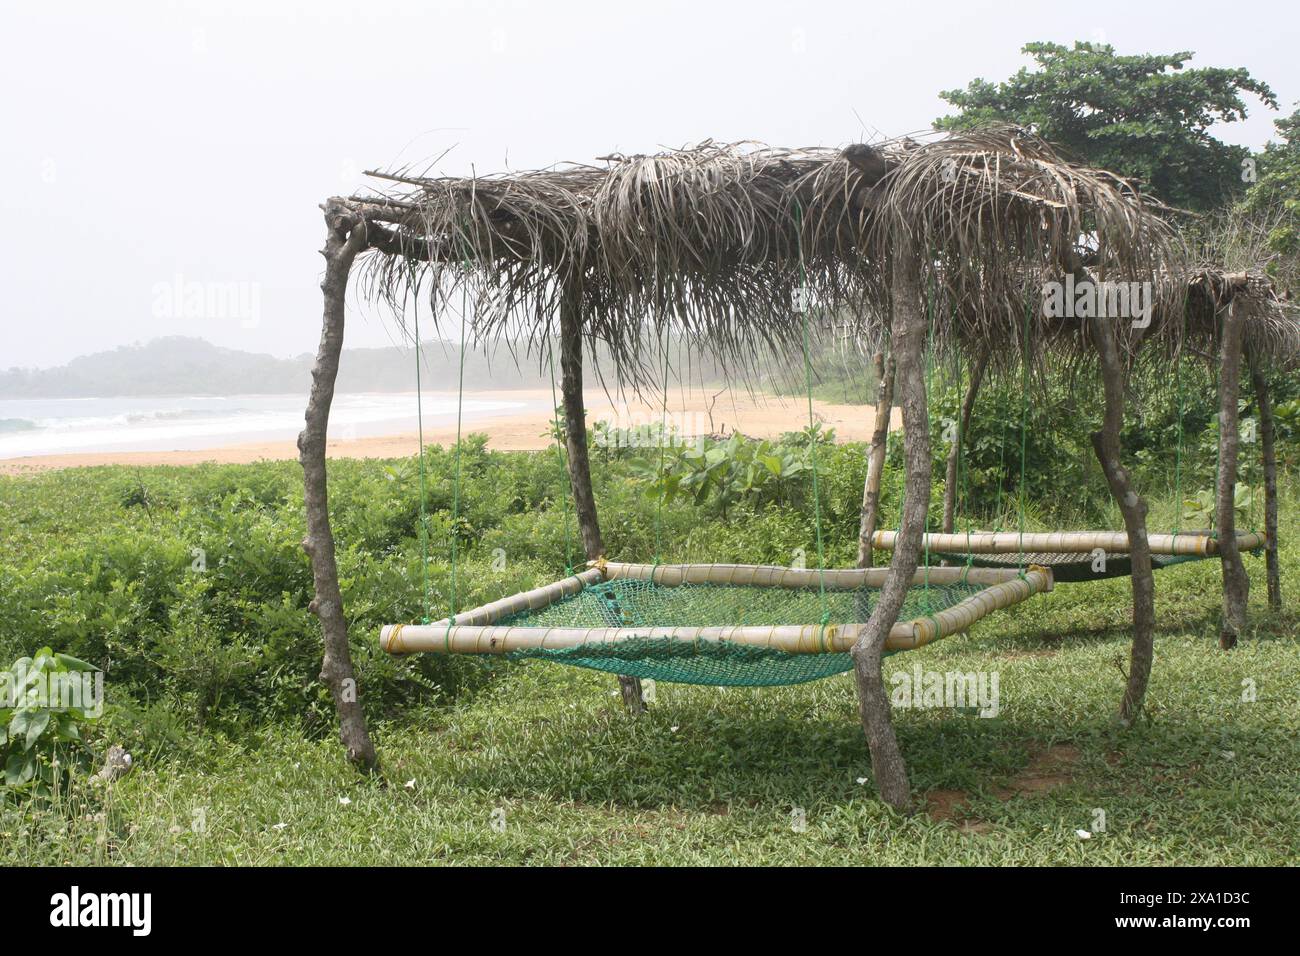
x: 51, y: 426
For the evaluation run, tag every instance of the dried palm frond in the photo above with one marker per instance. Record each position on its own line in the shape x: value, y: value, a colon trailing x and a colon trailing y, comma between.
x: 710, y: 243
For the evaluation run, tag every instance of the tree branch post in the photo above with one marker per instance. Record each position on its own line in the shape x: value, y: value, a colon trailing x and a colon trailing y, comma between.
x: 1236, y: 585
x: 1268, y: 453
x: 1105, y: 443
x: 575, y: 437
x: 345, y: 237
x: 884, y: 368
x: 907, y: 334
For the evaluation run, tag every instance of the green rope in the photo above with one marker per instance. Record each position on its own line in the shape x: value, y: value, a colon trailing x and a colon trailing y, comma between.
x: 1178, y: 446
x: 564, y: 467
x: 663, y: 424
x: 1218, y: 462
x: 812, y: 435
x: 455, y: 500
x: 929, y: 379
x: 1024, y: 430
x: 419, y: 424
x: 1002, y: 461
x: 963, y: 467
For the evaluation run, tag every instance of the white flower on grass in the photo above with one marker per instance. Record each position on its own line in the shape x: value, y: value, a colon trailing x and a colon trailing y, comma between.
x: 345, y: 801
x: 278, y: 826
x: 674, y: 728
x: 1083, y: 834
x: 861, y: 780
x: 410, y: 784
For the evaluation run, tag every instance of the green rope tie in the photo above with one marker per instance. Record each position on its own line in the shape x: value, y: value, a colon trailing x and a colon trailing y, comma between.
x: 419, y: 420
x: 812, y: 436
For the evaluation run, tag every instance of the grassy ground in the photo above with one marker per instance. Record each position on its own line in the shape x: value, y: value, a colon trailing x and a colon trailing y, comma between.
x: 543, y: 766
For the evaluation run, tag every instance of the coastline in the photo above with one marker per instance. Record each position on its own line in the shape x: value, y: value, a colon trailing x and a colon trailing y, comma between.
x: 691, y: 410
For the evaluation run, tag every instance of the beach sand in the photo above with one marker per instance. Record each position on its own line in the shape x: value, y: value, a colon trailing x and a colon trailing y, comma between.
x: 691, y: 411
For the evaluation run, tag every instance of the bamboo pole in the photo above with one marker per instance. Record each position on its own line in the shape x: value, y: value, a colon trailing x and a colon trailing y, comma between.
x: 1190, y: 544
x: 533, y: 600
x: 671, y: 575
x: 443, y: 637
x: 760, y: 575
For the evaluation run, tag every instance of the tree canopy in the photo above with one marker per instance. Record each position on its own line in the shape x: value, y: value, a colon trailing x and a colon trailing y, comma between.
x: 1144, y: 116
x: 1275, y: 196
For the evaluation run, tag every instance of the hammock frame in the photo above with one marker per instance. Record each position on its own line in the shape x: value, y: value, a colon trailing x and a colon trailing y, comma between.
x: 1198, y: 544
x: 476, y: 631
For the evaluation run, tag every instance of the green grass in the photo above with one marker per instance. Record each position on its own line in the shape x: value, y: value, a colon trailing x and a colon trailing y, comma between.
x: 713, y: 775
x: 212, y: 686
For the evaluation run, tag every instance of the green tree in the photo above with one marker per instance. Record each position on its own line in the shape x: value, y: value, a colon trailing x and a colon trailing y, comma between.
x: 1275, y: 196
x: 1143, y: 116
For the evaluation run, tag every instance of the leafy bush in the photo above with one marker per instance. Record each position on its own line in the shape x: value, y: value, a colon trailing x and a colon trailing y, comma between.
x: 1200, y: 510
x: 188, y: 587
x: 43, y: 707
x: 723, y: 473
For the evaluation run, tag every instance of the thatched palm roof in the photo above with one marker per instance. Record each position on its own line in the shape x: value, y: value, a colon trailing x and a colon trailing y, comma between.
x: 714, y: 239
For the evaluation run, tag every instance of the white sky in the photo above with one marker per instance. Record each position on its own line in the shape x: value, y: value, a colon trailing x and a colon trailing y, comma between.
x: 146, y: 144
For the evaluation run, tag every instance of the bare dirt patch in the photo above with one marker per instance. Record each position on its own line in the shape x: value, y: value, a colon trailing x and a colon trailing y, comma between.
x: 1047, y: 770
x: 950, y: 806
x: 943, y: 806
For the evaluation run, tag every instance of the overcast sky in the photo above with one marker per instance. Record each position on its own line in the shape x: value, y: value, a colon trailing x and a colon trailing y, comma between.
x: 154, y: 151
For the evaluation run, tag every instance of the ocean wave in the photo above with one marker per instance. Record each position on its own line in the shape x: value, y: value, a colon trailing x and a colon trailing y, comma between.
x: 39, y: 427
x: 127, y: 419
x: 182, y: 414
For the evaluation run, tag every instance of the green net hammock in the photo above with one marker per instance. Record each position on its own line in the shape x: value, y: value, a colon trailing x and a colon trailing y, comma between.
x: 723, y: 625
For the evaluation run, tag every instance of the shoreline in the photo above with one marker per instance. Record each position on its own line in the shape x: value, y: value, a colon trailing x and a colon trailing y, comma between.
x: 692, y: 411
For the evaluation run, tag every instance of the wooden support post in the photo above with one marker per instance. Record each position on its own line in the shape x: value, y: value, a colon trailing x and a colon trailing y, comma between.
x: 1236, y: 585
x: 907, y: 335
x: 1268, y: 453
x: 575, y: 437
x: 345, y: 236
x: 1105, y: 443
x: 884, y: 368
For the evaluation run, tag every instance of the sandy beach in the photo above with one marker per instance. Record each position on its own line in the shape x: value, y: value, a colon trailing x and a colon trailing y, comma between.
x: 691, y: 411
